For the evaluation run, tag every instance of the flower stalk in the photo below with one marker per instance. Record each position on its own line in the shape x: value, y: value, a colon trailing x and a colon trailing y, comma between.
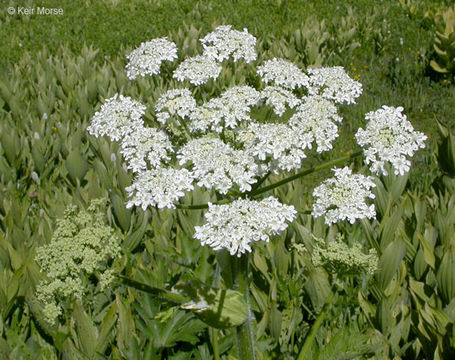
x: 245, y: 332
x: 303, y: 173
x: 264, y: 189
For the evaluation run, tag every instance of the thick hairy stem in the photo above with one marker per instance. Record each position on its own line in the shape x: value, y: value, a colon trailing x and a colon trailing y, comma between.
x: 245, y: 332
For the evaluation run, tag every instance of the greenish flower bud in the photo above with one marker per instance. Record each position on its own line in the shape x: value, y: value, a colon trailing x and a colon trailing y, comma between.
x: 337, y: 257
x: 81, y: 246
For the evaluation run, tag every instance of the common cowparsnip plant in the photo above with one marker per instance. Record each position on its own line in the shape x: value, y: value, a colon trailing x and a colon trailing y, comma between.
x: 224, y: 144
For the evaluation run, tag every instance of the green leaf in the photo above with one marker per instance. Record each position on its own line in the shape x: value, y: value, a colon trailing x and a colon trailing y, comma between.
x: 446, y: 154
x: 389, y: 226
x: 106, y: 328
x: 428, y: 253
x: 122, y: 214
x: 76, y: 165
x: 318, y: 287
x: 436, y: 67
x: 398, y: 186
x: 382, y: 198
x: 275, y: 321
x: 125, y: 328
x: 368, y: 308
x: 261, y: 264
x: 86, y: 332
x: 70, y: 352
x: 133, y: 239
x: 14, y: 285
x: 446, y: 276
x: 219, y: 308
x: 390, y: 261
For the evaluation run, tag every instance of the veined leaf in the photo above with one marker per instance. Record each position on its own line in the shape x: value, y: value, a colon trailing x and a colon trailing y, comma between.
x: 446, y: 276
x: 390, y: 261
x: 87, y: 333
x: 126, y: 327
x: 106, y: 328
x: 219, y: 308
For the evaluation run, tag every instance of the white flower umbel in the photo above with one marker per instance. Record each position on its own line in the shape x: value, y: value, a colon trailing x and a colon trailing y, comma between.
x: 277, y: 97
x: 236, y: 104
x: 178, y: 102
x: 145, y: 147
x: 227, y: 111
x: 316, y: 118
x: 223, y: 42
x: 117, y: 117
x: 280, y: 142
x: 159, y: 187
x: 217, y: 165
x: 389, y: 138
x: 343, y: 197
x: 282, y: 73
x: 206, y: 116
x: 236, y: 225
x: 334, y: 84
x: 147, y: 58
x: 198, y: 70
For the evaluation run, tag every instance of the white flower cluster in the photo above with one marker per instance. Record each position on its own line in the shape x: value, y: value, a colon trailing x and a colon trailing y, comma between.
x: 225, y: 146
x: 236, y: 225
x: 339, y: 258
x: 159, y: 187
x: 206, y: 117
x: 333, y: 83
x: 117, y: 117
x: 217, y: 165
x: 282, y: 73
x: 280, y: 142
x: 147, y: 58
x: 343, y: 197
x: 315, y: 118
x: 144, y: 145
x: 227, y: 111
x: 277, y: 97
x: 389, y: 137
x: 223, y: 42
x: 198, y: 70
x: 178, y: 102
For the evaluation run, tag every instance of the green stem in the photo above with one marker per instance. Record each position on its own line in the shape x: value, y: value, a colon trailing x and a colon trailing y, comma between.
x: 216, y: 351
x: 185, y: 126
x: 317, y: 324
x: 304, y: 212
x: 256, y: 191
x: 260, y: 181
x: 304, y: 173
x: 202, y: 206
x: 160, y: 293
x: 245, y: 332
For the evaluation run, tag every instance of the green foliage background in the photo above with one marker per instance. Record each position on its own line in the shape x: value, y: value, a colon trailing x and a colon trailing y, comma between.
x: 54, y: 73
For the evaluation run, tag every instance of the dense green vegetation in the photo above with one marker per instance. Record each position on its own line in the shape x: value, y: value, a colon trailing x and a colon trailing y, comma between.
x: 54, y: 73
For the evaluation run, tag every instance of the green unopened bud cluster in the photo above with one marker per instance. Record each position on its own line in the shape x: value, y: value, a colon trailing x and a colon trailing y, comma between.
x: 80, y: 247
x: 337, y: 257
